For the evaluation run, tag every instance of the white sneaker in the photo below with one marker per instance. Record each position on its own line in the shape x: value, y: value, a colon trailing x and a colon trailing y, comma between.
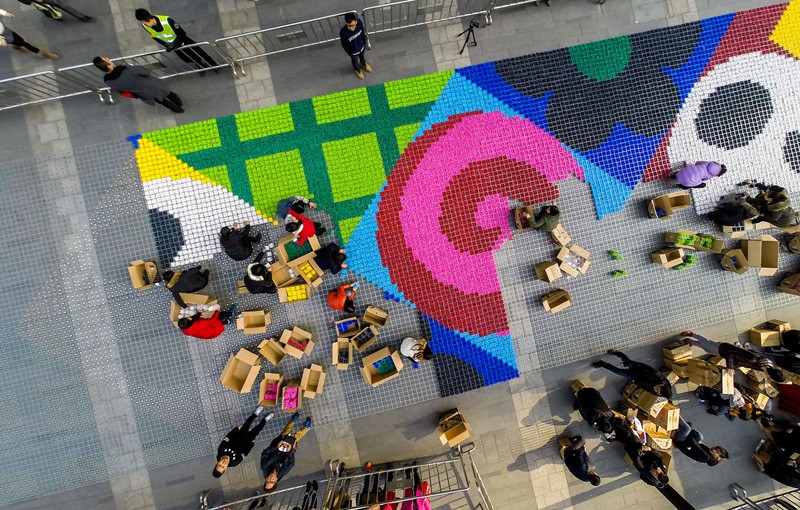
x: 259, y: 410
x: 269, y: 416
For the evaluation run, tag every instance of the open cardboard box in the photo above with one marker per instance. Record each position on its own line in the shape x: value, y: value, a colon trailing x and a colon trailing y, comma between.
x: 709, y: 243
x: 548, y: 271
x: 275, y: 381
x: 240, y: 371
x: 790, y: 285
x: 292, y: 387
x: 668, y: 257
x: 556, y: 300
x: 342, y: 353
x: 574, y: 260
x: 769, y: 333
x: 738, y: 231
x: 522, y: 223
x: 253, y: 322
x: 280, y: 248
x: 347, y: 327
x: 272, y: 350
x: 657, y: 437
x: 560, y: 236
x: 365, y: 338
x: 143, y: 274
x: 312, y: 381
x: 453, y: 428
x: 283, y: 275
x: 376, y: 316
x: 682, y: 239
x: 679, y: 349
x: 293, y: 340
x: 762, y: 253
x: 734, y: 261
x: 308, y: 269
x: 191, y: 299
x: 292, y: 293
x: 373, y: 375
x: 662, y: 206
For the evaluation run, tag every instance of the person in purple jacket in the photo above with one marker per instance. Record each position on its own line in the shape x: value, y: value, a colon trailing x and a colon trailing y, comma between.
x: 695, y: 176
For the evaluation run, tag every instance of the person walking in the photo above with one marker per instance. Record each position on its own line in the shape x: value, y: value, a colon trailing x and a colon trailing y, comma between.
x: 278, y: 458
x: 137, y: 82
x: 237, y: 443
x: 642, y: 374
x: 192, y: 323
x: 695, y: 176
x: 690, y: 442
x: 593, y: 409
x: 52, y: 9
x: 578, y: 462
x: 191, y: 280
x: 354, y: 41
x: 10, y: 38
x: 736, y: 356
x: 257, y: 278
x: 238, y: 244
x: 166, y: 32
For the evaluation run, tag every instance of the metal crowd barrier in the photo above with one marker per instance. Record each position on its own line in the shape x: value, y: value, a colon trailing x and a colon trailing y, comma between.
x: 503, y: 4
x: 282, y: 499
x: 38, y: 88
x: 787, y: 501
x: 411, y: 13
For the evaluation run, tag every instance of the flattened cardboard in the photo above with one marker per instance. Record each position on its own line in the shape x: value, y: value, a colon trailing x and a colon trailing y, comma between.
x: 143, y: 274
x: 668, y: 203
x: 762, y: 253
x: 560, y: 236
x: 191, y: 299
x: 668, y: 257
x: 522, y: 223
x: 734, y: 261
x: 313, y: 381
x: 254, y: 322
x: 727, y: 381
x: 365, y: 338
x: 790, y: 285
x: 341, y: 345
x: 347, y: 327
x: 240, y: 371
x: 370, y: 373
x: 299, y: 336
x: 292, y: 384
x: 262, y: 389
x: 556, y: 300
x: 548, y: 271
x: 293, y: 293
x: 272, y: 350
x: 376, y: 316
x: 240, y: 288
x: 679, y: 349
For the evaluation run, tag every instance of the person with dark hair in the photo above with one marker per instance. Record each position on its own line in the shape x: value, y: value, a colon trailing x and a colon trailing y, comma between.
x: 277, y: 459
x: 166, y: 32
x: 718, y: 404
x: 695, y: 176
x: 331, y: 258
x: 50, y: 9
x: 783, y: 469
x: 416, y: 349
x: 188, y: 281
x: 257, y: 278
x: 296, y: 203
x: 594, y: 409
x: 733, y: 213
x: 303, y: 228
x: 342, y: 298
x: 10, y: 38
x: 578, y: 462
x: 238, y: 442
x: 546, y: 219
x: 690, y: 442
x: 192, y: 323
x: 650, y: 465
x: 784, y: 435
x: 136, y: 82
x: 238, y: 244
x: 773, y: 204
x: 354, y: 41
x: 736, y: 356
x: 642, y: 374
x: 790, y: 340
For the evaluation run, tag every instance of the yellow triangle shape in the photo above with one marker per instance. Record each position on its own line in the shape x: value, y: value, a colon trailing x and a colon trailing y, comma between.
x: 156, y: 163
x: 787, y: 31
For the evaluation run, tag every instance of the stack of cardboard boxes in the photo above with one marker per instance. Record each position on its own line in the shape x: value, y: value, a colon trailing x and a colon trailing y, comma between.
x: 656, y: 409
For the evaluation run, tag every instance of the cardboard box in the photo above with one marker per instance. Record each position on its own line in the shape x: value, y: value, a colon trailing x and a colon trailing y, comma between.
x: 716, y: 361
x: 766, y: 387
x: 272, y: 350
x: 280, y: 248
x: 365, y: 338
x: 702, y: 373
x: 453, y: 428
x: 522, y: 223
x: 143, y: 274
x: 548, y: 271
x: 574, y: 260
x: 347, y: 327
x: 762, y: 253
x: 189, y: 299
x: 556, y: 300
x: 342, y: 353
x: 254, y: 322
x: 679, y: 349
x: 647, y: 402
x: 240, y: 371
x: 657, y: 437
x: 790, y: 285
x: 709, y: 243
x: 756, y: 375
x: 682, y: 388
x: 312, y: 381
x: 668, y: 257
x: 681, y: 368
x: 727, y: 381
x: 682, y: 239
x: 309, y: 271
x: 793, y: 243
x: 734, y: 261
x: 671, y: 376
x: 577, y: 385
x: 376, y: 316
x: 662, y: 206
x: 292, y: 293
x: 738, y: 231
x: 769, y: 333
x: 292, y: 395
x: 377, y: 369
x: 297, y: 342
x: 274, y: 381
x: 667, y: 417
x: 560, y: 236
x: 283, y: 275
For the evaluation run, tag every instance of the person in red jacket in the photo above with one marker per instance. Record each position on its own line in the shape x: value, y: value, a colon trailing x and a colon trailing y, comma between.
x: 303, y: 228
x: 342, y: 298
x: 195, y: 325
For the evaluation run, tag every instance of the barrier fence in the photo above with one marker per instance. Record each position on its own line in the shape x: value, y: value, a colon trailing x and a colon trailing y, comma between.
x: 38, y: 88
x: 411, y: 13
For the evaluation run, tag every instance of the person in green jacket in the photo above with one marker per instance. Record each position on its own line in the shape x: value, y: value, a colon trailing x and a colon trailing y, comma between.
x: 773, y: 204
x: 546, y: 219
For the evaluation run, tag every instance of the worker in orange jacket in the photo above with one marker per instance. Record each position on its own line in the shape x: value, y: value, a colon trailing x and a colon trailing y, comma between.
x: 342, y: 298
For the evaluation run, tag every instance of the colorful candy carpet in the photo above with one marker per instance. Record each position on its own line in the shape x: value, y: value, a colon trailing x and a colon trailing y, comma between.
x: 419, y: 175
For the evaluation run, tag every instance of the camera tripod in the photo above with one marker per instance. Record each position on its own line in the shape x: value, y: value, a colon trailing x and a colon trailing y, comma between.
x: 470, y: 31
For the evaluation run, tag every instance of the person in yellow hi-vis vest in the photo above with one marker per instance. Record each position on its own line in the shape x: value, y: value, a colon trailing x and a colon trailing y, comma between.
x: 169, y: 34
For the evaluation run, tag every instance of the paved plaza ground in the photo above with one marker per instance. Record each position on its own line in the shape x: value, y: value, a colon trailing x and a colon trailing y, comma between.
x: 415, y: 169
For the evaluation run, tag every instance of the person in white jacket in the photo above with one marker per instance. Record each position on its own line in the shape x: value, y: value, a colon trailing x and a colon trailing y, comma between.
x: 10, y: 38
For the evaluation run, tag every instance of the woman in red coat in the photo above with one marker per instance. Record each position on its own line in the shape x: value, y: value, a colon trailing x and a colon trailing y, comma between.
x: 195, y: 325
x: 342, y: 298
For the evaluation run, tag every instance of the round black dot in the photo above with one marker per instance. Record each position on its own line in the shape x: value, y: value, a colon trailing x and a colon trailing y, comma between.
x: 791, y: 150
x: 734, y: 115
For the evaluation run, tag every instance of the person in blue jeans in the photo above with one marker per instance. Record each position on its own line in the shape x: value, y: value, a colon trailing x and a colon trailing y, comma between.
x: 690, y: 442
x: 642, y: 374
x: 354, y: 41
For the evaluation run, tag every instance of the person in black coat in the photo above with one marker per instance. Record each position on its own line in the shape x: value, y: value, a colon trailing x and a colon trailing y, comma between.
x: 643, y: 375
x: 650, y: 465
x: 238, y: 244
x: 624, y: 435
x: 257, y: 277
x: 736, y: 356
x: 594, y: 409
x: 238, y: 442
x: 690, y: 442
x: 353, y: 37
x: 191, y: 280
x: 278, y: 458
x: 791, y: 340
x: 578, y: 462
x: 731, y: 214
x: 331, y: 258
x: 783, y: 469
